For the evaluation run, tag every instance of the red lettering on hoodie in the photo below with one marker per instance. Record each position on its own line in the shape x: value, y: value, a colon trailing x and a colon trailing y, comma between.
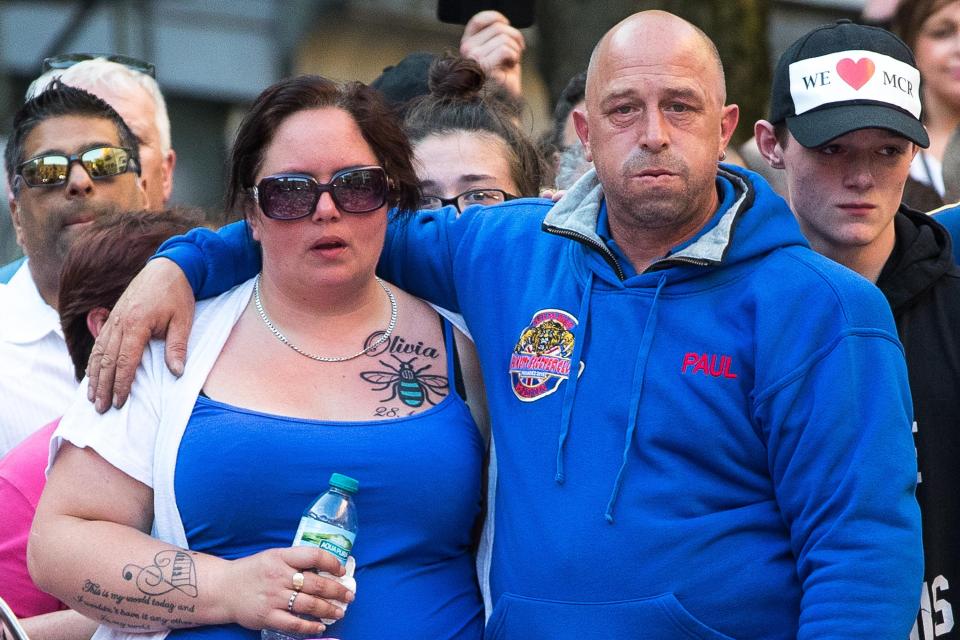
x: 716, y: 365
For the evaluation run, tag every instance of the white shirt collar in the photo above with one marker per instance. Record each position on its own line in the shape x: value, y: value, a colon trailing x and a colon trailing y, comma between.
x: 26, y: 316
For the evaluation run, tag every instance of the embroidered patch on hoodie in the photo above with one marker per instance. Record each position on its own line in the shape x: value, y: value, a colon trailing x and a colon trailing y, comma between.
x: 541, y: 359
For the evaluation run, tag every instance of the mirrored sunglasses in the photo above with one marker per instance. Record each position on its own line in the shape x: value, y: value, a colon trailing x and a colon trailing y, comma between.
x: 99, y: 162
x: 289, y: 196
x: 67, y: 60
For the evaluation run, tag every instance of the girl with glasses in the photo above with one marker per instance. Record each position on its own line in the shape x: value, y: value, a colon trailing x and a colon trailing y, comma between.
x: 314, y: 366
x: 468, y: 144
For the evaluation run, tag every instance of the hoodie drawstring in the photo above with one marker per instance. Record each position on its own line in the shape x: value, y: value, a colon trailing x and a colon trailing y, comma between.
x: 571, y: 387
x: 638, y: 375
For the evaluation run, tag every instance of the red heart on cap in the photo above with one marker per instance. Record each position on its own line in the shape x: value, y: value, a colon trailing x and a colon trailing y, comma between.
x: 856, y: 74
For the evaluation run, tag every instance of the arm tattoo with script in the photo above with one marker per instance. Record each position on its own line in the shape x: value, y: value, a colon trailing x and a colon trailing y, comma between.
x: 172, y: 570
x: 407, y: 382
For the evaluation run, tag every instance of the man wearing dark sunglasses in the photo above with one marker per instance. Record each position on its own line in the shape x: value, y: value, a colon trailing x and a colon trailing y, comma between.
x: 129, y: 86
x: 69, y: 159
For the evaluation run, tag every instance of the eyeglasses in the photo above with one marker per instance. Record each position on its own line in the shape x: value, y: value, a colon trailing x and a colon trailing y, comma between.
x: 289, y: 196
x: 67, y: 60
x: 467, y: 198
x: 99, y: 162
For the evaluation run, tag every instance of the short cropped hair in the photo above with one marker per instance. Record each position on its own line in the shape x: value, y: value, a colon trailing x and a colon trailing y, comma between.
x: 461, y: 99
x: 101, y: 71
x: 102, y: 262
x: 61, y: 100
x: 374, y: 118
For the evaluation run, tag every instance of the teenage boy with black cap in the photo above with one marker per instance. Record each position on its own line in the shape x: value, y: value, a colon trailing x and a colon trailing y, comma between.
x: 844, y: 126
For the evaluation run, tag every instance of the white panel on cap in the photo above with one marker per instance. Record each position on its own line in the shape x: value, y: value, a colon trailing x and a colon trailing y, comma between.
x: 854, y: 75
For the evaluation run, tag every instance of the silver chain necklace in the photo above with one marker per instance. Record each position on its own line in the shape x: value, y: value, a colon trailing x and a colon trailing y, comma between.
x: 282, y: 338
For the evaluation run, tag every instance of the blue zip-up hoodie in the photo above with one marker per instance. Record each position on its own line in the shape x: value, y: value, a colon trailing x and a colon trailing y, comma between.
x: 734, y: 459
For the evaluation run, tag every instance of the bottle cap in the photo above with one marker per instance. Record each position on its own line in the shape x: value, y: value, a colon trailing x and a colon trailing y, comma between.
x: 345, y: 483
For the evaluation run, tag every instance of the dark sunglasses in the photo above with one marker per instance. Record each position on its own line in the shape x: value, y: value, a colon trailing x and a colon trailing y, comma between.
x: 99, y: 162
x: 289, y: 196
x: 67, y: 60
x: 467, y: 198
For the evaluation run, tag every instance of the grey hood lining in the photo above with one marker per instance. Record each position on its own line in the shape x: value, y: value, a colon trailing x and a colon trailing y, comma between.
x: 579, y: 210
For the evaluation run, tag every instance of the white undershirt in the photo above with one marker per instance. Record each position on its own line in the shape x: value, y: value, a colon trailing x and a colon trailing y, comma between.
x: 36, y: 374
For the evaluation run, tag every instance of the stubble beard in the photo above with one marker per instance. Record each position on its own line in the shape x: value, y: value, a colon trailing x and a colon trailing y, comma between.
x: 651, y: 208
x: 54, y: 239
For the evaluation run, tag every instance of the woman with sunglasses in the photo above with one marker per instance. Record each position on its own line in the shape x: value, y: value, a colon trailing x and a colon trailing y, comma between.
x: 314, y: 366
x: 469, y: 148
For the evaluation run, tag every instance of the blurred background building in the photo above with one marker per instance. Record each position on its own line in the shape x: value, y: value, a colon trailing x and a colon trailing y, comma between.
x: 214, y: 56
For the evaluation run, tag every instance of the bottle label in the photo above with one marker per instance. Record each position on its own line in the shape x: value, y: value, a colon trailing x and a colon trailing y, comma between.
x: 328, y: 537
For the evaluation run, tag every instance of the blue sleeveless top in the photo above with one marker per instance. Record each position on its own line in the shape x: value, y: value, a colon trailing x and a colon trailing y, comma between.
x: 243, y: 479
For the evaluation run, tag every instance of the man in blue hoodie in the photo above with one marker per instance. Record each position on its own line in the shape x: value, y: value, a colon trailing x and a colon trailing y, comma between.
x: 701, y: 428
x: 846, y: 161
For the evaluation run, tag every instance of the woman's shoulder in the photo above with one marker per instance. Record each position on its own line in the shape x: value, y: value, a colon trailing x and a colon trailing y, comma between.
x: 423, y: 310
x: 210, y: 314
x: 226, y: 302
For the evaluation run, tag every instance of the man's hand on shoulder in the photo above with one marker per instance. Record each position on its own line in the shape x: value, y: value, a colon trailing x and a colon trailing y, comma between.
x: 158, y: 303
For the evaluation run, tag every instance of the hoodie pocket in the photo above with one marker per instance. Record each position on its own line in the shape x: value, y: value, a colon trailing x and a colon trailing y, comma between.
x: 659, y: 617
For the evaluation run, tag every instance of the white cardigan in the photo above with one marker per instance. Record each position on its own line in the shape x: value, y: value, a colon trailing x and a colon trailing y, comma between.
x: 142, y: 438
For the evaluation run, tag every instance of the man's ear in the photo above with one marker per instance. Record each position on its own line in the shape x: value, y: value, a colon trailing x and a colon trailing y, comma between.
x: 768, y: 145
x: 583, y: 131
x: 14, y: 204
x: 142, y: 196
x: 729, y: 117
x: 96, y: 318
x: 169, y: 163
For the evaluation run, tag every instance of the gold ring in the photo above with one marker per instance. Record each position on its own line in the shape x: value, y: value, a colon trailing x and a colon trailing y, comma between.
x: 297, y: 581
x: 293, y: 596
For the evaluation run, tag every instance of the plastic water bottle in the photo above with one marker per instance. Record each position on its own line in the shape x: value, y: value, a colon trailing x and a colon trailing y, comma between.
x: 330, y: 523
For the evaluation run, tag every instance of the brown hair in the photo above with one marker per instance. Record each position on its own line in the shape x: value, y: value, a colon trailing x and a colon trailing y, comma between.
x: 910, y: 16
x: 378, y: 125
x: 102, y: 262
x: 461, y: 99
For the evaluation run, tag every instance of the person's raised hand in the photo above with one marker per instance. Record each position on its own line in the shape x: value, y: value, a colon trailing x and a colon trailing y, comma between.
x: 498, y: 47
x: 158, y: 303
x: 260, y: 592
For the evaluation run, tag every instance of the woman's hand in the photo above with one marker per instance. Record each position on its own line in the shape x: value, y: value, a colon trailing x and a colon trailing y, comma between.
x: 90, y: 546
x: 261, y: 588
x: 158, y: 303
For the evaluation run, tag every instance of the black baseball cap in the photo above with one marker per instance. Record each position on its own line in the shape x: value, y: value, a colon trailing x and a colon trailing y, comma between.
x: 844, y: 77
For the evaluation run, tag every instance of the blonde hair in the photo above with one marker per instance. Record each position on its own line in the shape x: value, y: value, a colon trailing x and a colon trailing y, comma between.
x: 100, y: 71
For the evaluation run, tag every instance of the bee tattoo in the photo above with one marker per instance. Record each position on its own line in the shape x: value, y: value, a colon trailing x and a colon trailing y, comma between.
x: 411, y: 385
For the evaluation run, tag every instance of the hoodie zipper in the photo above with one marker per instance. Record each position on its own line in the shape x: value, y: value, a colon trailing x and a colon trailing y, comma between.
x: 590, y: 242
x: 666, y: 262
x: 612, y: 259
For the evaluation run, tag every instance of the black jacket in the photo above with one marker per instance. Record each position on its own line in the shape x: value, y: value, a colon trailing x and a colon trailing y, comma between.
x: 922, y: 284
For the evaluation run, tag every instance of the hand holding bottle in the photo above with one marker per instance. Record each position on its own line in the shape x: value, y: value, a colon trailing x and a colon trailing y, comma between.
x: 347, y: 580
x: 329, y: 524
